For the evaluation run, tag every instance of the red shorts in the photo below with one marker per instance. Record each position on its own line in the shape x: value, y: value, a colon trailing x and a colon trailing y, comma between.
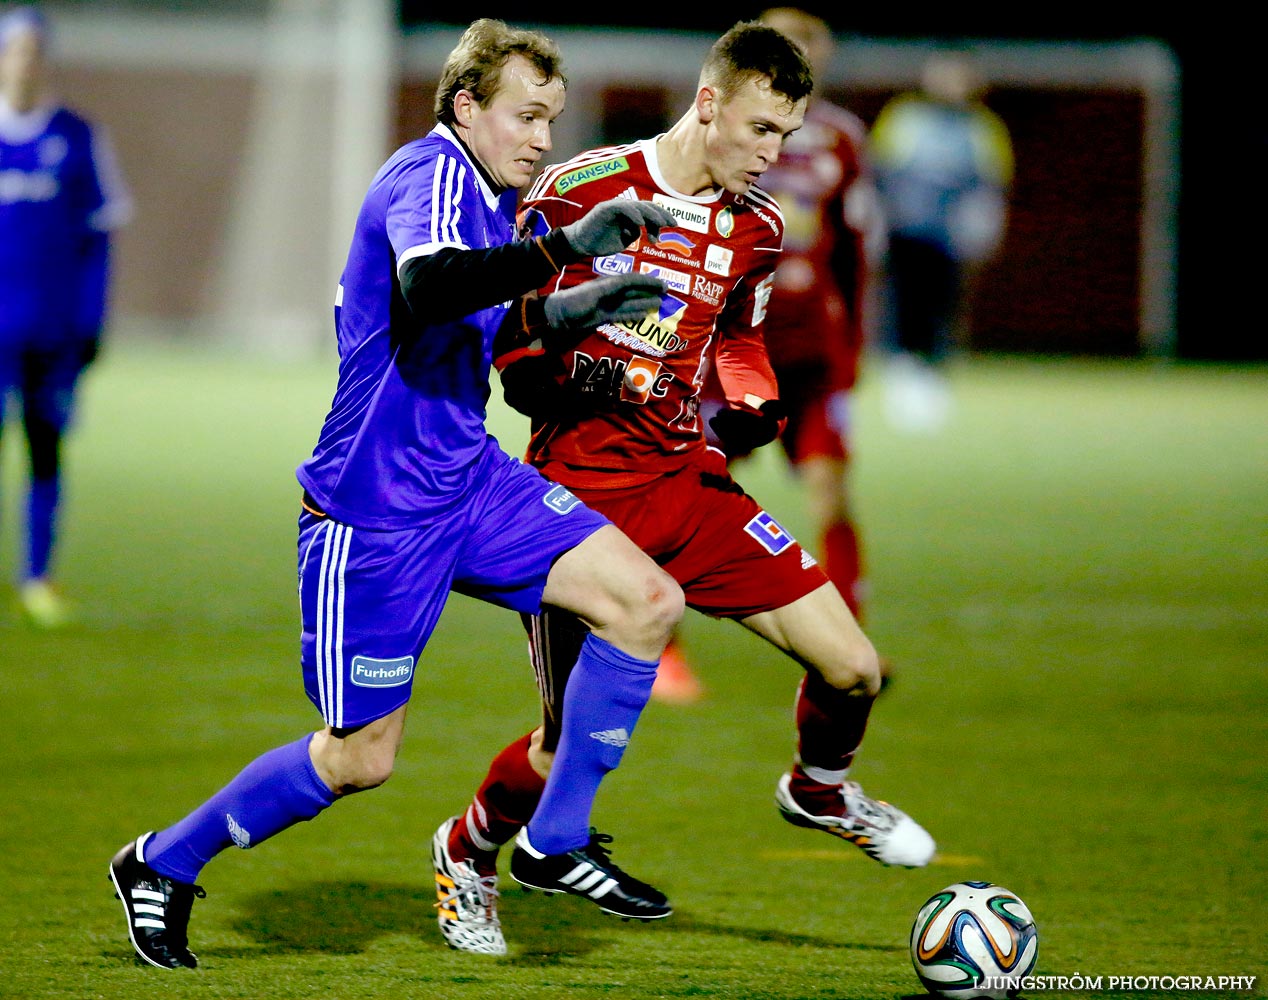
x: 818, y: 417
x: 730, y: 557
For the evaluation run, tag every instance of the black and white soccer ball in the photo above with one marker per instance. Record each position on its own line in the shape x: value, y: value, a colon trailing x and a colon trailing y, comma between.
x: 974, y: 940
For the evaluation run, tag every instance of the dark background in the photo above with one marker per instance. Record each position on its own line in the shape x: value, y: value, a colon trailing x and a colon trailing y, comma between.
x: 1223, y: 142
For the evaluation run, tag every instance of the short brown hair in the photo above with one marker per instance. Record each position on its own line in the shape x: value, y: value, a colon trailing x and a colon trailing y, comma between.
x: 754, y: 50
x: 476, y: 62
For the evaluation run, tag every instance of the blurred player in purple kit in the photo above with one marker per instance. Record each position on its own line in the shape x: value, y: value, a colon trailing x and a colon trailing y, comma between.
x: 61, y: 195
x: 407, y: 497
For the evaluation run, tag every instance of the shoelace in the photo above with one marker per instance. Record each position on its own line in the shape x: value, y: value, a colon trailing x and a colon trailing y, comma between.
x: 485, y: 889
x: 869, y: 810
x: 598, y: 852
x: 600, y: 855
x: 179, y: 905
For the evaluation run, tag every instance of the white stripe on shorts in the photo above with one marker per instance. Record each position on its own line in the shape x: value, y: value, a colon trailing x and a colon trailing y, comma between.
x: 337, y: 539
x: 320, y: 642
x: 343, y: 564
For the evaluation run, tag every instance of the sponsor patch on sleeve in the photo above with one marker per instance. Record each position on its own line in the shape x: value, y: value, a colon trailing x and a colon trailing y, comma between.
x: 769, y: 533
x: 560, y: 499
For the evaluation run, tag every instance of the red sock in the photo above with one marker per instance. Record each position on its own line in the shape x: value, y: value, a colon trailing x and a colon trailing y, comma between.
x: 503, y: 804
x: 843, y: 562
x: 830, y: 727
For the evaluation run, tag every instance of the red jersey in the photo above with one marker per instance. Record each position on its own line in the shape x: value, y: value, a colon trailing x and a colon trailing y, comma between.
x: 645, y: 378
x: 825, y: 191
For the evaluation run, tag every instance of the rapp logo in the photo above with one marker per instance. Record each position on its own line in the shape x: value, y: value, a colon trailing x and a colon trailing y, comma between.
x: 709, y: 291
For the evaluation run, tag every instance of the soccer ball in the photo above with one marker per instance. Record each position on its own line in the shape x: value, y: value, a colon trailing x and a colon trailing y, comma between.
x: 969, y: 933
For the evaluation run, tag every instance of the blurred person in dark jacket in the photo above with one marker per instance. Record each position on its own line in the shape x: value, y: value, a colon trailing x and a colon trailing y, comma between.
x: 944, y: 167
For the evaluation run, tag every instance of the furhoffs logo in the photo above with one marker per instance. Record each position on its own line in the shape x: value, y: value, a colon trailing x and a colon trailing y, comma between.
x: 368, y: 672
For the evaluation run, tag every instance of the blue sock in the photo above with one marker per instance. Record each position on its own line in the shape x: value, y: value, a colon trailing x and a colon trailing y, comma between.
x: 41, y: 515
x: 275, y: 791
x: 605, y: 695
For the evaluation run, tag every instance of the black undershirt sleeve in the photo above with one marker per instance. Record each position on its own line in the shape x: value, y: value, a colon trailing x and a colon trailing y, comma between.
x: 453, y: 283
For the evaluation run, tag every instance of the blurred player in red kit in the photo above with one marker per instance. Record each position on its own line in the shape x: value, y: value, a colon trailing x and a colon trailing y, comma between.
x: 616, y: 419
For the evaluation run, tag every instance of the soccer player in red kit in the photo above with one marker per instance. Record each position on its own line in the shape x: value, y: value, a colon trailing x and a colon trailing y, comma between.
x: 616, y: 419
x: 815, y: 323
x: 815, y: 330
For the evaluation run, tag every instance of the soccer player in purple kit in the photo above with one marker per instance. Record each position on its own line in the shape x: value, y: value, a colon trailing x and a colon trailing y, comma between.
x: 61, y: 195
x: 407, y: 497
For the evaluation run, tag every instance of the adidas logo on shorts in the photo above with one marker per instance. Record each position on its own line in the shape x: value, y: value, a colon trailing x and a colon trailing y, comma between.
x: 612, y: 737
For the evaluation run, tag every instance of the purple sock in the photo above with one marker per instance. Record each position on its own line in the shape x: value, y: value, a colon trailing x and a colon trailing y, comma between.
x: 41, y: 515
x: 606, y: 692
x: 275, y: 791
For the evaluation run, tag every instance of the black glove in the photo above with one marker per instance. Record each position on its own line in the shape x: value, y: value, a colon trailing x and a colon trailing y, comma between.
x: 613, y: 225
x: 616, y: 299
x: 535, y: 386
x: 742, y: 431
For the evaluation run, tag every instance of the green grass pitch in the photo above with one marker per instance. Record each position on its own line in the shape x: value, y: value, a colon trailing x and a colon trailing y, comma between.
x: 1072, y: 580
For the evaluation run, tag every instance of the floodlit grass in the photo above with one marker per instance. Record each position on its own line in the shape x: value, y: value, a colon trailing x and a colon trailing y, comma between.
x: 1072, y: 580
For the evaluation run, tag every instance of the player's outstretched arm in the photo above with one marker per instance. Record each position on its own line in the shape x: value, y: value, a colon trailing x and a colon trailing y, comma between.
x: 616, y: 299
x: 452, y: 283
x: 529, y: 349
x: 613, y: 225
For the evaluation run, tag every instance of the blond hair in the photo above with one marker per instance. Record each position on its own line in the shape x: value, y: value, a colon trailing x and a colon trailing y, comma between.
x: 476, y: 62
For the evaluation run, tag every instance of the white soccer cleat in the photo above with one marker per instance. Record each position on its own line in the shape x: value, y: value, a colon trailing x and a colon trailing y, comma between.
x: 43, y: 606
x: 466, y: 901
x: 881, y: 831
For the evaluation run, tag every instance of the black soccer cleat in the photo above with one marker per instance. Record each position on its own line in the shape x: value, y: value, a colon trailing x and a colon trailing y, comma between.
x: 157, y: 908
x: 587, y: 872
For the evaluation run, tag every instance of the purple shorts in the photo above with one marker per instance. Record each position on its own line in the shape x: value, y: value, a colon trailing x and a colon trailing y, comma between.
x: 370, y: 599
x: 46, y: 380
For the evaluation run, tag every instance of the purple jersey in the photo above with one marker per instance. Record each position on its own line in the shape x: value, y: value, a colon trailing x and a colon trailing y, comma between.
x: 60, y: 190
x: 406, y: 429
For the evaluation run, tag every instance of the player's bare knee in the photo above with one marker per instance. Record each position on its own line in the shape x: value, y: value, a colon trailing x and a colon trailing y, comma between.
x: 857, y: 670
x: 362, y: 774
x: 347, y: 769
x: 662, y: 608
x: 647, y: 612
